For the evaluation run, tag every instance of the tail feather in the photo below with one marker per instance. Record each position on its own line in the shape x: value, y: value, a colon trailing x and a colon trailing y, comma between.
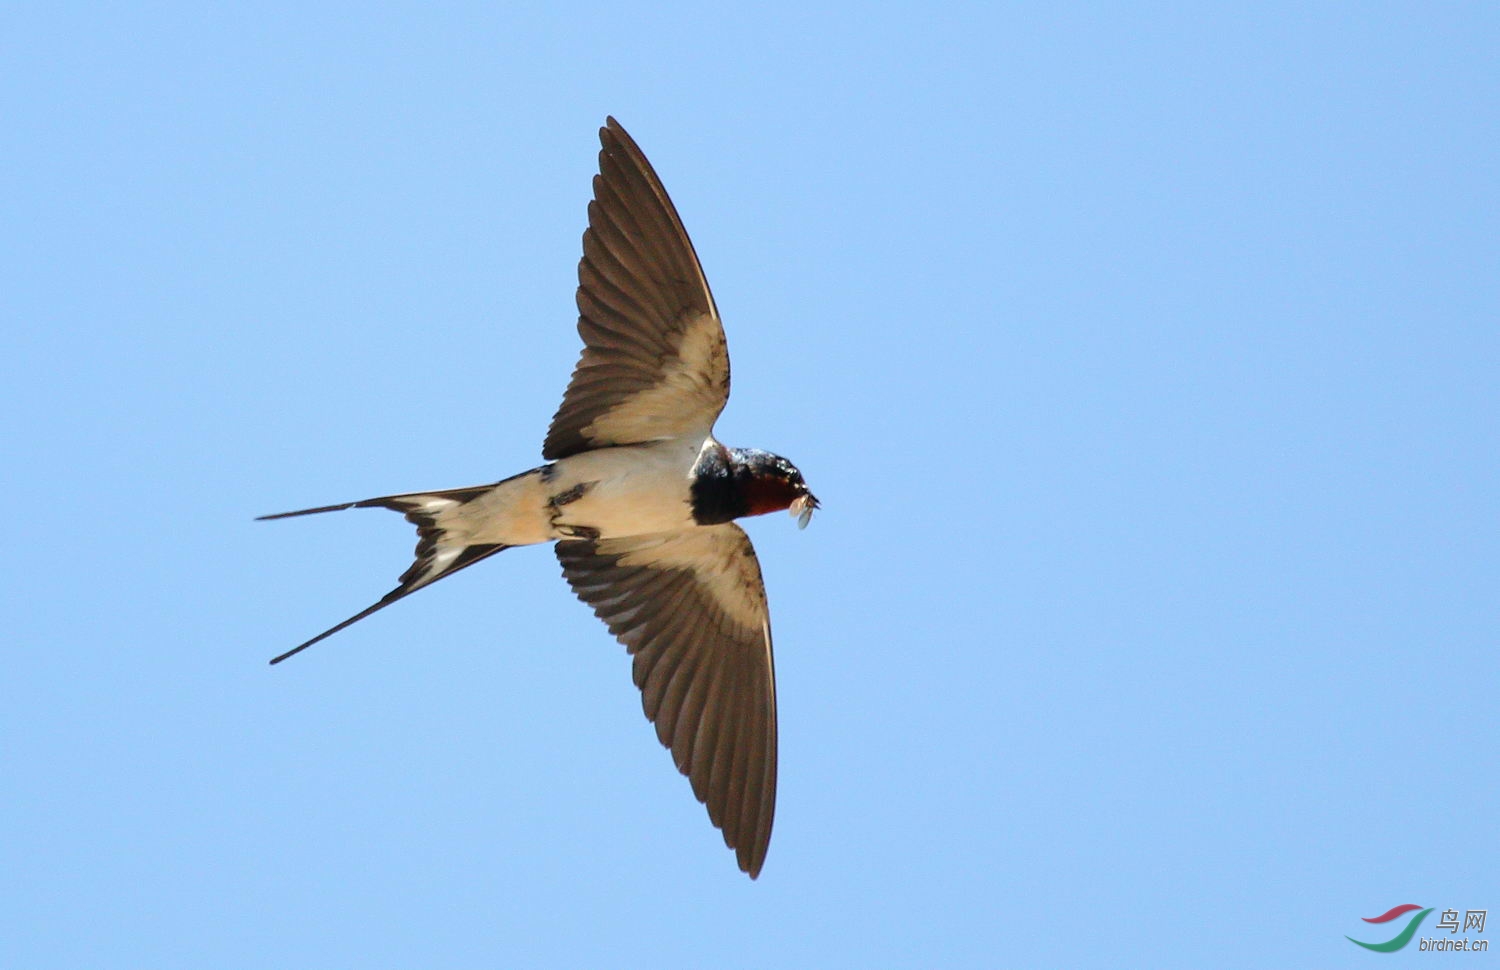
x: 397, y: 503
x: 439, y: 553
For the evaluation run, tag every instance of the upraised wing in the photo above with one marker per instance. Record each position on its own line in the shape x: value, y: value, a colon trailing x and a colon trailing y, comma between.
x: 654, y: 361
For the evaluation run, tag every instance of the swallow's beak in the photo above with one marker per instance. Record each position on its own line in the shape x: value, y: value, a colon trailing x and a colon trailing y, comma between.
x: 802, y: 507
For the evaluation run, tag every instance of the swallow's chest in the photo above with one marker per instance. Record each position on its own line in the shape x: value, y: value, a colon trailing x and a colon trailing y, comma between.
x: 622, y: 491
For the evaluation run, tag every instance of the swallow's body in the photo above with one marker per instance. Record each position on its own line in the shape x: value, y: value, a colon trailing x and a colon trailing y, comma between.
x: 629, y: 491
x: 601, y: 494
x: 640, y: 499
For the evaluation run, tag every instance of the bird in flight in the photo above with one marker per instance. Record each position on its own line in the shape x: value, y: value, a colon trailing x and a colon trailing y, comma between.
x: 640, y: 500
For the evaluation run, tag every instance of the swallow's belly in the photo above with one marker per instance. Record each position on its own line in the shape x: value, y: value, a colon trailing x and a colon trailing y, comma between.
x: 622, y: 491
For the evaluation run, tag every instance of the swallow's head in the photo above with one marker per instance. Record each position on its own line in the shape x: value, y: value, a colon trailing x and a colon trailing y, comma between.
x: 770, y: 483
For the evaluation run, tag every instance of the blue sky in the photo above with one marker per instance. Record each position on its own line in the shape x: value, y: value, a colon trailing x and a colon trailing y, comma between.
x: 1144, y: 358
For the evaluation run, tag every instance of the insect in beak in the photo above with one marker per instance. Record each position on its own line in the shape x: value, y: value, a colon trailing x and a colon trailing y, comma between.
x: 802, y: 507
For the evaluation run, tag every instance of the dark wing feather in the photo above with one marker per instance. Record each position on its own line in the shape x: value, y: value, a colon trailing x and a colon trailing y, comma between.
x: 691, y: 608
x: 654, y: 362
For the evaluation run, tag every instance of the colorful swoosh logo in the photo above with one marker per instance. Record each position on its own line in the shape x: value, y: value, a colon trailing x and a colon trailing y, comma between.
x: 1400, y: 939
x: 1391, y: 913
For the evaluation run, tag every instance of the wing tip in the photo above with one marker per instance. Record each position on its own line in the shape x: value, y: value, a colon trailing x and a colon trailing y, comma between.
x: 613, y: 134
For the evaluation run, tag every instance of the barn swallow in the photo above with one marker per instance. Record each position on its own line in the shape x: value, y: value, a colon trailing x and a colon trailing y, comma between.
x: 640, y: 500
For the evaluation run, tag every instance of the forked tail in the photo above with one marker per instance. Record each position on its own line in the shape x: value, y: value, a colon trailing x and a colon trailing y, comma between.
x: 441, y: 551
